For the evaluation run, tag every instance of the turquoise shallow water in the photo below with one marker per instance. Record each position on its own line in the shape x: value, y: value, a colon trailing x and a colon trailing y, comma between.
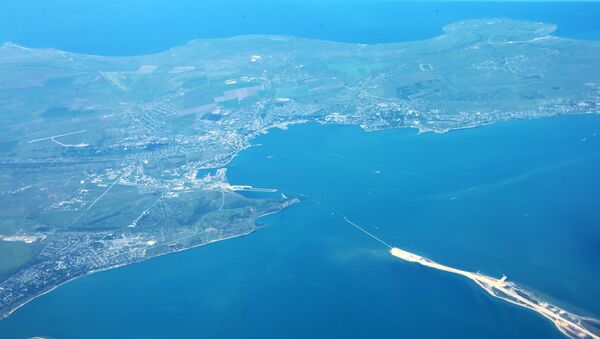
x: 517, y: 198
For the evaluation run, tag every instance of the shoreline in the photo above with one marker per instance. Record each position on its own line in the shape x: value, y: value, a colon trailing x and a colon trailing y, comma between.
x: 266, y: 130
x: 568, y: 323
x: 6, y: 314
x: 443, y: 30
x: 10, y: 311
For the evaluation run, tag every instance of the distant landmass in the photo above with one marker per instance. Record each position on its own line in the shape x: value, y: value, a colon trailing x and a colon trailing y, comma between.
x: 106, y: 161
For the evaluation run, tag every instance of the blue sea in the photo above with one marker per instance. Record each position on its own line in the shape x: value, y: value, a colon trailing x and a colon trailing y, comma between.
x: 116, y: 27
x: 518, y: 198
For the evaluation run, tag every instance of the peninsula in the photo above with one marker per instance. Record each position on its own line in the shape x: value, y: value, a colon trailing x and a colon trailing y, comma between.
x: 106, y: 161
x: 570, y: 324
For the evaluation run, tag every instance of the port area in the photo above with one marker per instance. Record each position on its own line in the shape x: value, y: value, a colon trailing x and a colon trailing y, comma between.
x: 568, y: 323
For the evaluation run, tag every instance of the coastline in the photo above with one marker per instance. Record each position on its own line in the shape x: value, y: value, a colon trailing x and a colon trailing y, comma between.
x: 55, y: 300
x: 377, y: 179
x: 10, y: 311
x: 249, y: 144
